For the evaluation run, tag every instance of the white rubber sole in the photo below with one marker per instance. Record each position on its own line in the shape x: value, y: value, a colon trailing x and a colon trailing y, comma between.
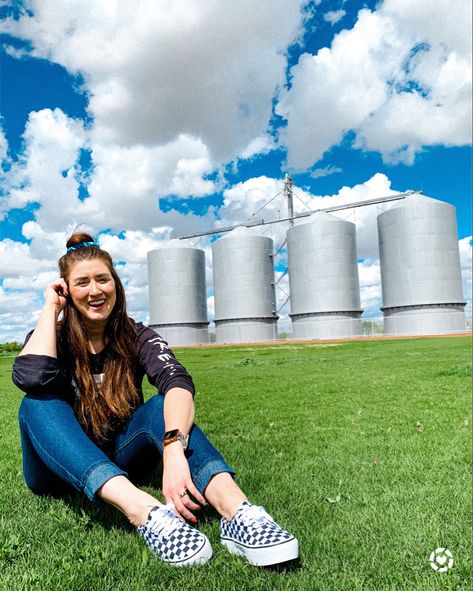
x: 264, y: 556
x: 200, y: 557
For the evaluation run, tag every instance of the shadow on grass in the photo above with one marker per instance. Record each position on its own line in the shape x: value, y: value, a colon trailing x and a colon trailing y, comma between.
x: 98, y: 512
x: 285, y: 567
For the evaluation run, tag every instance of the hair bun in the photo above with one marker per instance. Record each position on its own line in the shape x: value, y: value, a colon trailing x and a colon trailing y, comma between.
x: 77, y: 238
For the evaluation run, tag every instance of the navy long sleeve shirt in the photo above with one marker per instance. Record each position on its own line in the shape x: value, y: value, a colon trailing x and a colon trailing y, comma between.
x: 38, y: 374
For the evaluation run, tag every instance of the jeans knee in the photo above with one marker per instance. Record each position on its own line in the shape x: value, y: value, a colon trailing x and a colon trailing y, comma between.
x: 35, y: 486
x: 28, y: 405
x: 42, y: 407
x: 46, y: 484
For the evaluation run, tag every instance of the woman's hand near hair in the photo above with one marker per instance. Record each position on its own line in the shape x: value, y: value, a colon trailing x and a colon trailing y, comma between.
x: 55, y: 295
x: 43, y: 339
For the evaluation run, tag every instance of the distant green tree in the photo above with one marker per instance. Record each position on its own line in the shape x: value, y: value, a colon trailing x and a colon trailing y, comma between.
x: 9, y: 348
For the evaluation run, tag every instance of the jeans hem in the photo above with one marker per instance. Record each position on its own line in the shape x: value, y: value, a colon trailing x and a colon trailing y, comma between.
x: 97, y: 476
x: 208, y: 471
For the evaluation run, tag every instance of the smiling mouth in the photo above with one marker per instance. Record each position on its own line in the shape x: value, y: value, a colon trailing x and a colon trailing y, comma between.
x: 97, y: 304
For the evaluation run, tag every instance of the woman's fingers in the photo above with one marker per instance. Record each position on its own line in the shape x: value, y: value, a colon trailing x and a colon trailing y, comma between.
x: 56, y: 292
x: 63, y: 285
x: 59, y: 284
x: 184, y: 504
x: 189, y: 503
x: 183, y: 511
x: 196, y: 494
x: 178, y: 486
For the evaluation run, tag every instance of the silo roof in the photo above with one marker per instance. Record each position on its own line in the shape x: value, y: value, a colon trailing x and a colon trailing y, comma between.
x: 326, y: 217
x: 418, y: 199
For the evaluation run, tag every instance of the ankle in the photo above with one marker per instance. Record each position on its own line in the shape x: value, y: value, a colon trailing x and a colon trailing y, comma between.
x: 134, y: 503
x: 229, y: 507
x: 138, y: 511
x: 139, y: 515
x: 224, y: 495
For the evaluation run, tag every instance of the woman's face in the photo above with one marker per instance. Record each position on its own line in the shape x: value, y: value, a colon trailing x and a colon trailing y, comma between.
x: 92, y: 289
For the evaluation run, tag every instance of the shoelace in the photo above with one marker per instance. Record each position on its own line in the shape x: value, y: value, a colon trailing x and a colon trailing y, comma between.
x: 164, y: 521
x: 254, y: 514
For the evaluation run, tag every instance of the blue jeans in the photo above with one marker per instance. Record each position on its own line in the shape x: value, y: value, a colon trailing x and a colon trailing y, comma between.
x: 59, y: 457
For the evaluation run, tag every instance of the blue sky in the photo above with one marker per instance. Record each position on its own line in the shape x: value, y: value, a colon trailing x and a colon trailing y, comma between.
x: 143, y: 125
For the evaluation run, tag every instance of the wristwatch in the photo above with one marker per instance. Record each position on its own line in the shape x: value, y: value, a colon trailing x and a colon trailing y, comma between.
x: 175, y: 435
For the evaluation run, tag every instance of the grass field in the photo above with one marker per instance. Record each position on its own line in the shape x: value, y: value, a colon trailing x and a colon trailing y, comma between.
x: 362, y: 450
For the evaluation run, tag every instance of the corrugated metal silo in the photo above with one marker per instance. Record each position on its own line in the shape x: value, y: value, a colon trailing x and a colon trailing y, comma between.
x: 323, y: 278
x: 177, y: 294
x: 244, y: 288
x: 420, y: 268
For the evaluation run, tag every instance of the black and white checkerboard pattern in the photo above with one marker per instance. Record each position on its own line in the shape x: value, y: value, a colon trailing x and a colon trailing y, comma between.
x: 254, y: 530
x: 174, y: 543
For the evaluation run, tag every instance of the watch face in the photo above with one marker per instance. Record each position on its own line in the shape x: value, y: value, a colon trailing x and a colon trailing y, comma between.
x: 175, y: 435
x: 171, y: 434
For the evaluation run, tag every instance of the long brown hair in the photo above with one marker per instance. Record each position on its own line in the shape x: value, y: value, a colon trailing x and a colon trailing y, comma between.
x: 99, y: 409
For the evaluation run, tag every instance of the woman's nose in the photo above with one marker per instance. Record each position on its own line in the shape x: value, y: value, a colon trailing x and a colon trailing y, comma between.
x: 94, y: 287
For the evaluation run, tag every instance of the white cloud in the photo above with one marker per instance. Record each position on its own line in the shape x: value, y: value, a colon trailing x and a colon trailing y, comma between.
x: 37, y: 282
x: 19, y: 311
x: 333, y: 16
x: 156, y: 71
x: 124, y: 185
x: 46, y: 171
x: 166, y: 111
x: 14, y: 302
x: 258, y: 146
x: 133, y: 247
x: 326, y: 171
x: 17, y: 260
x: 211, y: 308
x: 188, y: 179
x: 399, y: 79
x: 370, y: 287
x: 132, y: 179
x: 3, y: 146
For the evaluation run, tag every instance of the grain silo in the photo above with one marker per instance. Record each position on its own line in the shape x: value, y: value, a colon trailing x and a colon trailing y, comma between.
x: 323, y: 278
x: 244, y: 288
x: 177, y: 294
x: 420, y: 268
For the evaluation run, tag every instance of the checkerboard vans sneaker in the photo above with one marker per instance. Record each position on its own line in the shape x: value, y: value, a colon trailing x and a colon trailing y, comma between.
x: 172, y: 540
x: 252, y: 533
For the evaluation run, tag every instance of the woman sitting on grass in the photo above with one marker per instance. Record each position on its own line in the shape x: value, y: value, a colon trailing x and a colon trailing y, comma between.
x: 84, y: 424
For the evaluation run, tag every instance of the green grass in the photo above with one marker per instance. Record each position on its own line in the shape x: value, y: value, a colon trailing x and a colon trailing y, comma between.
x: 362, y: 450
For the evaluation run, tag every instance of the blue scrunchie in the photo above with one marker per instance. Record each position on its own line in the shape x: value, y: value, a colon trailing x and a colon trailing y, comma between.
x: 81, y: 245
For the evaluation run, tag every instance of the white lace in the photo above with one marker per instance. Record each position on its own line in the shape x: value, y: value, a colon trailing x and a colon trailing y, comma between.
x: 254, y: 514
x: 164, y: 521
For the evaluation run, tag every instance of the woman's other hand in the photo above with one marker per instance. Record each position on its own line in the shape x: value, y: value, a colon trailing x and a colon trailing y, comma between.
x: 177, y: 480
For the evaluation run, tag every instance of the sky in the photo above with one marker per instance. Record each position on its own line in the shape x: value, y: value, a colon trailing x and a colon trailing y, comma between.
x: 144, y: 120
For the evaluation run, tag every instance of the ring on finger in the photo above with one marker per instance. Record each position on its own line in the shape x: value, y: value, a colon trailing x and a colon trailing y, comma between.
x: 183, y: 493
